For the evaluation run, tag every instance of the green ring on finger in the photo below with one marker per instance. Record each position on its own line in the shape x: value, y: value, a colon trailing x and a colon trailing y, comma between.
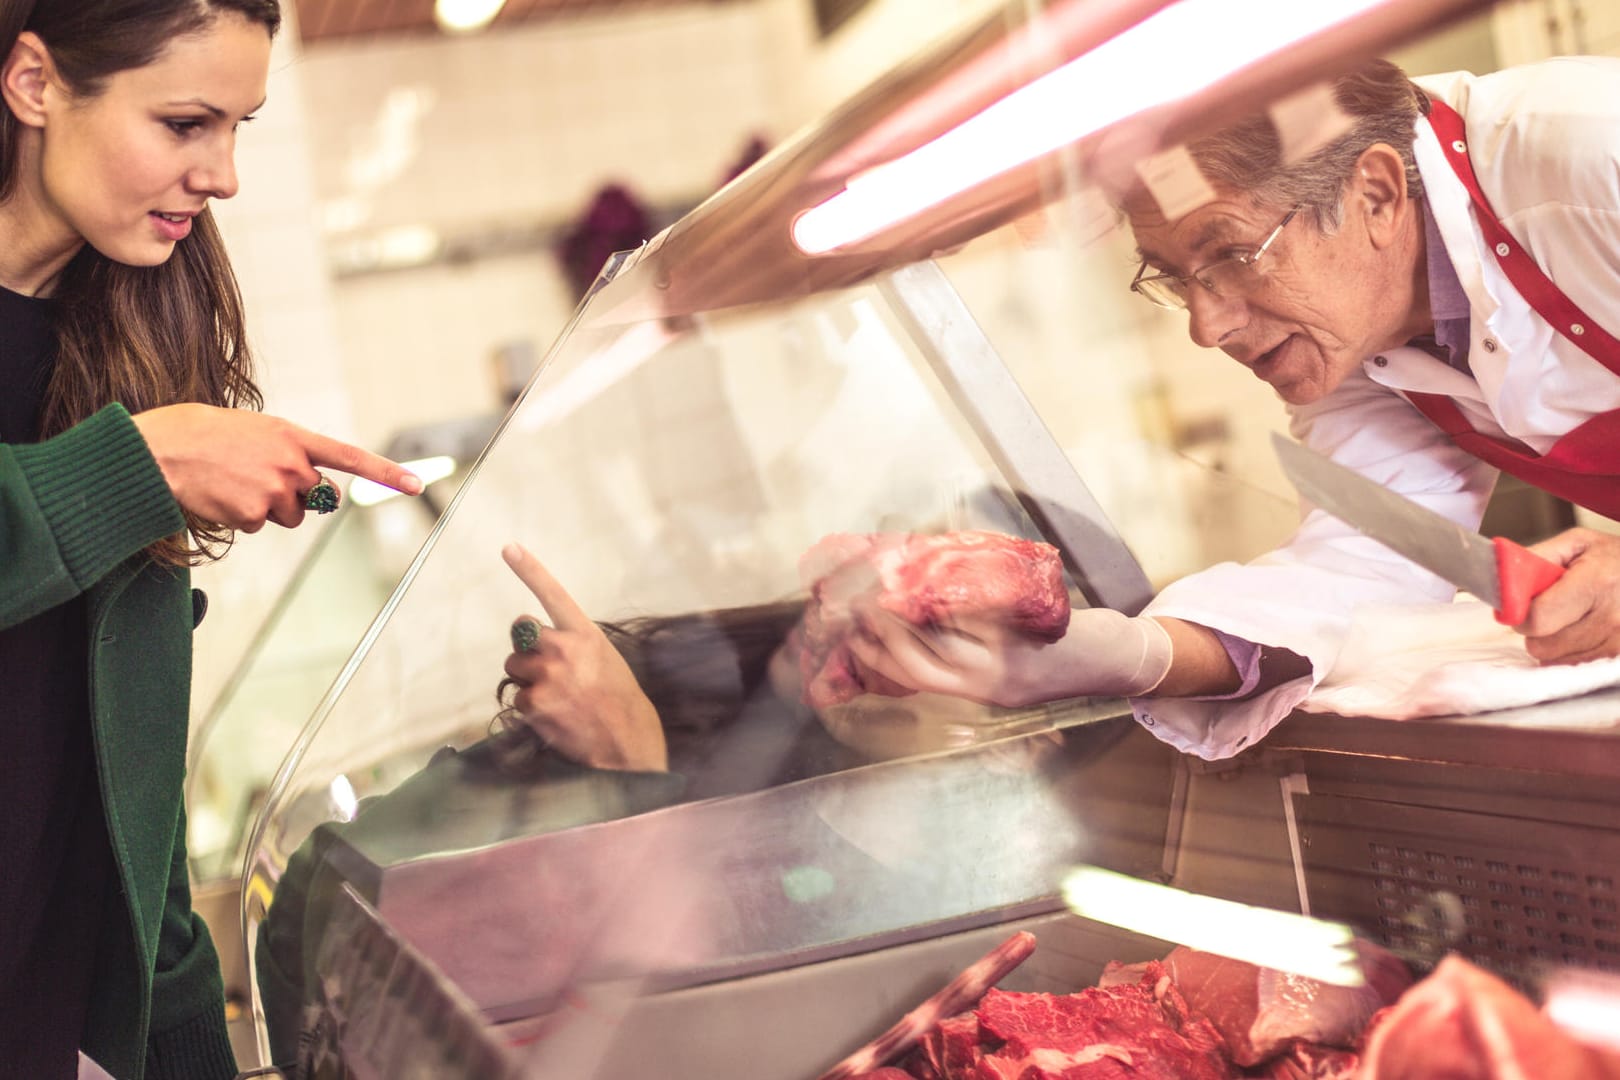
x: 525, y: 635
x: 323, y: 498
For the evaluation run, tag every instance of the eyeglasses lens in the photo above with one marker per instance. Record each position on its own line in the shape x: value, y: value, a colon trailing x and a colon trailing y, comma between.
x: 1166, y: 292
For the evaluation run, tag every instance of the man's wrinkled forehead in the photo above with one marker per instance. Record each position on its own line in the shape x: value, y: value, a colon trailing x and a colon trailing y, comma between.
x: 1222, y: 222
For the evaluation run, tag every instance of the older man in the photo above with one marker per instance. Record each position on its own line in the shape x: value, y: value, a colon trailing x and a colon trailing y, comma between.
x: 1433, y: 294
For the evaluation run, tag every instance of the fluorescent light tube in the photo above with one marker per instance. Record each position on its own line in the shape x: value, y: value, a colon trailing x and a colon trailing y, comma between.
x: 1279, y: 940
x: 1175, y: 52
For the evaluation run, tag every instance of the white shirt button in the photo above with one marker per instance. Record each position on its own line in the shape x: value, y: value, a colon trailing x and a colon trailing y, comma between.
x: 1490, y: 344
x: 1503, y: 250
x: 1577, y: 329
x: 1460, y: 146
x: 1381, y: 361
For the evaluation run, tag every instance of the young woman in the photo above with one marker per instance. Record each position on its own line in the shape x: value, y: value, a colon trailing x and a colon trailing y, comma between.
x: 125, y: 457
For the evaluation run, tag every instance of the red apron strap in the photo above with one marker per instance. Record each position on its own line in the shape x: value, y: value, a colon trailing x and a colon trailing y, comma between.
x: 1546, y: 298
x: 1580, y: 467
x: 1583, y: 466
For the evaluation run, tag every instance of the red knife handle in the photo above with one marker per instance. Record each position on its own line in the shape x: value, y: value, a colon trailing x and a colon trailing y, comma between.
x: 1523, y: 576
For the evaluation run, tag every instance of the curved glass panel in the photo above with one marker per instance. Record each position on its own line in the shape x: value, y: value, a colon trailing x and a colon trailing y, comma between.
x: 722, y: 412
x: 342, y: 581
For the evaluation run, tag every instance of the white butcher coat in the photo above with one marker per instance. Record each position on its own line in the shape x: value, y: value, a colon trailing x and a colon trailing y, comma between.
x: 1544, y: 140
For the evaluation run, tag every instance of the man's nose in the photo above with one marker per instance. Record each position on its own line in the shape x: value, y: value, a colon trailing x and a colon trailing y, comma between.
x: 1211, y: 319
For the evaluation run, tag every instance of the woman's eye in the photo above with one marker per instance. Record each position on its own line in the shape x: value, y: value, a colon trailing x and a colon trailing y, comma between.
x: 183, y: 127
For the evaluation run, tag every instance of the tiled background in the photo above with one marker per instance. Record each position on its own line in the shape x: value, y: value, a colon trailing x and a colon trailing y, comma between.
x: 465, y: 135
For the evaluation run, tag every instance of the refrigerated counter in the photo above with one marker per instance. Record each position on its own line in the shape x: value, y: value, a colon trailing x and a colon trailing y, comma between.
x: 430, y: 891
x: 771, y: 934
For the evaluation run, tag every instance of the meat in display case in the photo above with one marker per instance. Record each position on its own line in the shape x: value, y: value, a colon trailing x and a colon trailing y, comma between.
x: 747, y: 424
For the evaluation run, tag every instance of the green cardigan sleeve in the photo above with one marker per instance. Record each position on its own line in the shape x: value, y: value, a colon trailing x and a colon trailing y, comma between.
x: 75, y: 506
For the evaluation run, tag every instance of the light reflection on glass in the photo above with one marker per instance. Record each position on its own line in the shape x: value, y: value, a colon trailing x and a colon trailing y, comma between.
x: 1273, y: 939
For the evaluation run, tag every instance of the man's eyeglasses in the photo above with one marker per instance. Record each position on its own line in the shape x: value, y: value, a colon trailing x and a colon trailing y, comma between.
x: 1231, y: 276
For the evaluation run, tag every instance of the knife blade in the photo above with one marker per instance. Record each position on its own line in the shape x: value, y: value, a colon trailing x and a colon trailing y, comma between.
x: 1498, y: 571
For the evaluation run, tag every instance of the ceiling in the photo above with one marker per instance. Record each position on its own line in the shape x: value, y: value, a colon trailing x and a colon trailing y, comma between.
x: 328, y: 20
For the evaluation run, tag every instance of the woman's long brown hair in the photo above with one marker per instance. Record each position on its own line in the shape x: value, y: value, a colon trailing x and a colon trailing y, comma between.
x: 140, y: 336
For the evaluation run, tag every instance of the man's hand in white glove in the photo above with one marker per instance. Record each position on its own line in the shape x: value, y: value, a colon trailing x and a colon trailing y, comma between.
x: 1104, y: 654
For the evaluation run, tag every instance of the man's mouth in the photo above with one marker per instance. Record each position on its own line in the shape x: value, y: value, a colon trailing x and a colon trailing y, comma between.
x: 1262, y: 364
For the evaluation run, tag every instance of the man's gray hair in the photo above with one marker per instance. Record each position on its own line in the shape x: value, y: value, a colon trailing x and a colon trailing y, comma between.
x: 1383, y: 106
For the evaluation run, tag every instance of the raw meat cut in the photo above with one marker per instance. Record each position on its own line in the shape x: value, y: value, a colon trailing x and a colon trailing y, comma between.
x: 1127, y: 1032
x: 1462, y: 1023
x: 1261, y: 1012
x: 927, y: 580
x: 961, y: 992
x: 1181, y: 1018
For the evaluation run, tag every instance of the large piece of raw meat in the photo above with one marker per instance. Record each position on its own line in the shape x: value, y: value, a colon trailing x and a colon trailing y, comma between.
x: 1462, y: 1023
x: 1263, y: 1013
x: 928, y: 580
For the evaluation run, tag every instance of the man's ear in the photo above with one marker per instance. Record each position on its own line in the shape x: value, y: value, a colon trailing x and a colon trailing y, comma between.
x: 24, y: 78
x: 1380, y: 191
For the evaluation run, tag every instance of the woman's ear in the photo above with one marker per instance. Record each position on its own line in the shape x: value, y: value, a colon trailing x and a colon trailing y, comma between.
x: 1381, y: 188
x: 23, y: 80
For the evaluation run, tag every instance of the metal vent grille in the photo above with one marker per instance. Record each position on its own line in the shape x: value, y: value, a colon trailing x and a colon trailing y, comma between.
x: 1513, y: 895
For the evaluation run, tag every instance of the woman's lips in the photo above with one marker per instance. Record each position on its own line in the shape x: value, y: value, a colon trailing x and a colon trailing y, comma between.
x: 173, y: 227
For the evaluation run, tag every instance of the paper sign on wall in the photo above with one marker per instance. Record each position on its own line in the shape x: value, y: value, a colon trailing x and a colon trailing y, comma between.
x: 1308, y: 121
x: 1175, y: 182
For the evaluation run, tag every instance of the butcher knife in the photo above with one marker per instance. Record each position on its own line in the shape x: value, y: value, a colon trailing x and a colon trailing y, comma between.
x: 1498, y: 571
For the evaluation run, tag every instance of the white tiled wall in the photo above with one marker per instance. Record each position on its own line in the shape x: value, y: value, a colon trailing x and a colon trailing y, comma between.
x: 270, y: 229
x: 514, y: 128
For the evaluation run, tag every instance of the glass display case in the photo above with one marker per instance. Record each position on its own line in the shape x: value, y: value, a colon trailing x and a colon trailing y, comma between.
x: 431, y: 890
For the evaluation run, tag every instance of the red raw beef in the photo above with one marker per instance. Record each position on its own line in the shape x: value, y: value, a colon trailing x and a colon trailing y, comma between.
x: 1129, y: 1032
x: 1261, y: 1012
x: 926, y: 580
x: 952, y: 1046
x: 1462, y: 1023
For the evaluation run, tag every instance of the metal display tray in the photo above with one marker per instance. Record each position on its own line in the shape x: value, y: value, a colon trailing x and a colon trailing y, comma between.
x: 721, y: 889
x: 386, y: 1011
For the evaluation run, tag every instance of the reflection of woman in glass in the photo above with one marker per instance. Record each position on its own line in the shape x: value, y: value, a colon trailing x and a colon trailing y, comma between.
x: 586, y: 691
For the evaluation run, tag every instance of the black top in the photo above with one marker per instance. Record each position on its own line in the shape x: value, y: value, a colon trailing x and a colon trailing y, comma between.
x: 54, y: 857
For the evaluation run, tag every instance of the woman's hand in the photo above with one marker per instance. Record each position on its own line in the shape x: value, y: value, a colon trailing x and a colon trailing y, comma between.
x: 1578, y: 617
x: 239, y: 468
x: 1104, y: 653
x: 574, y: 689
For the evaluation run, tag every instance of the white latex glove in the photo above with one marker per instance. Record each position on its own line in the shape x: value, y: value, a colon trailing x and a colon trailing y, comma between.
x: 1104, y: 654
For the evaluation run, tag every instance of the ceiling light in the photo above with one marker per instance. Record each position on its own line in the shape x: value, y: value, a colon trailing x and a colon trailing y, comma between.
x: 1188, y: 46
x: 465, y: 16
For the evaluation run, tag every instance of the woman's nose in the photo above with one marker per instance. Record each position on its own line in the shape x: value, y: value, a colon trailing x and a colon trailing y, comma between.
x: 1211, y: 318
x: 216, y: 176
